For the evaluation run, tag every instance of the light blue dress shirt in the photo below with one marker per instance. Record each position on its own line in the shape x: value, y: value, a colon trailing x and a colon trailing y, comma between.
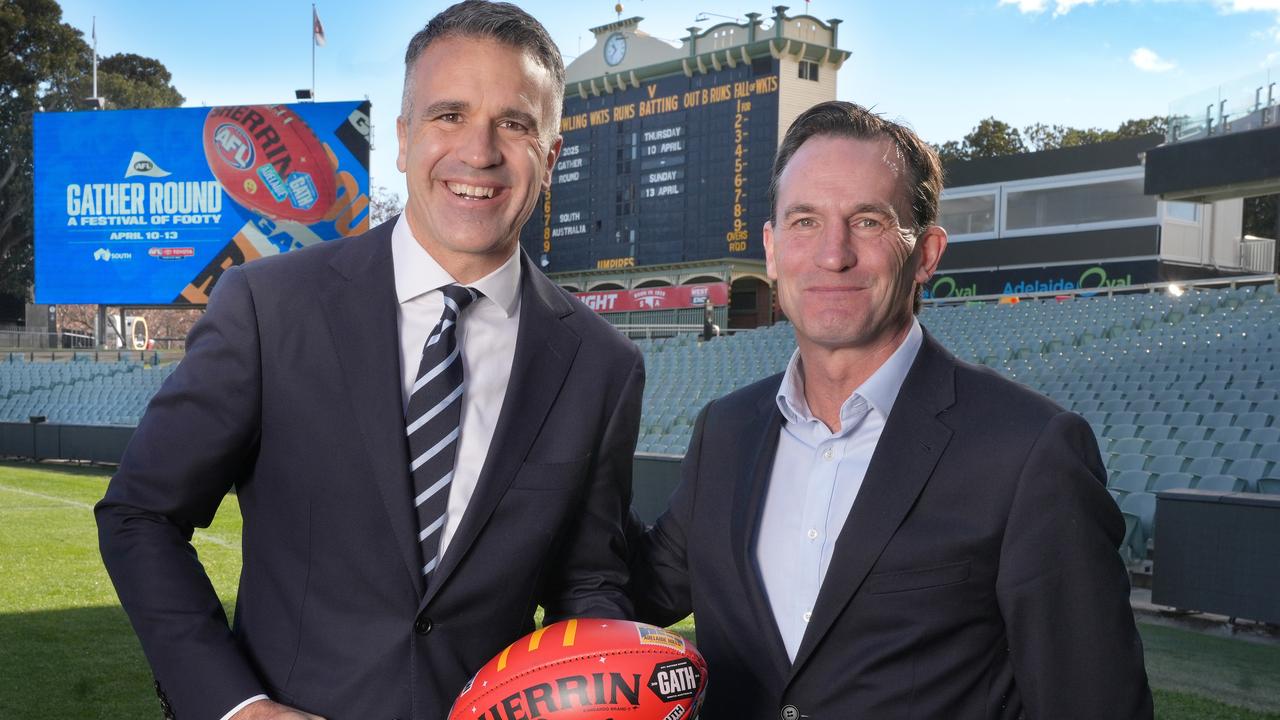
x: 816, y: 477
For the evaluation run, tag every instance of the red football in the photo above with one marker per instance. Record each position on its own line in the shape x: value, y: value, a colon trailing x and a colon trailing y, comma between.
x: 267, y: 158
x: 588, y: 670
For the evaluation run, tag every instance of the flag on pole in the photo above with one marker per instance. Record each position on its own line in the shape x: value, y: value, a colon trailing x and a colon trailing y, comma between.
x: 317, y: 30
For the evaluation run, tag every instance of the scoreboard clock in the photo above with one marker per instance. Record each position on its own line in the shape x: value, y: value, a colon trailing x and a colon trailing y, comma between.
x: 615, y: 49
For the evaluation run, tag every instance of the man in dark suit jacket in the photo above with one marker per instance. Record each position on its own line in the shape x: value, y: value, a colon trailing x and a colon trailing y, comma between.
x: 292, y: 392
x: 885, y: 531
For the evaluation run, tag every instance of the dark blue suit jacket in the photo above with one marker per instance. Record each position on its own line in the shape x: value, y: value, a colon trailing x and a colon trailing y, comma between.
x: 290, y: 393
x: 977, y: 575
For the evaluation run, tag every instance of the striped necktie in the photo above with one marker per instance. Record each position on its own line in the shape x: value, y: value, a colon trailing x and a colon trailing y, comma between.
x: 433, y: 423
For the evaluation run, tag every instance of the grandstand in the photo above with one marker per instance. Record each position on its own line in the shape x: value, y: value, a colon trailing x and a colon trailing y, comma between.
x: 1181, y: 390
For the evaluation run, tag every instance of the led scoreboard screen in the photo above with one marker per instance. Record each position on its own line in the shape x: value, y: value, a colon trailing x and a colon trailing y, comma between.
x: 150, y: 207
x: 672, y: 171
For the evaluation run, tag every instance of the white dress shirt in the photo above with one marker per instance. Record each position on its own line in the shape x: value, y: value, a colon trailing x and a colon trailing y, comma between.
x: 487, y: 336
x: 816, y: 478
x: 487, y: 333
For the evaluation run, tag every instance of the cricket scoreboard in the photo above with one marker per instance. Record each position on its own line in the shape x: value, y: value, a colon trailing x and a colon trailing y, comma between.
x: 672, y: 171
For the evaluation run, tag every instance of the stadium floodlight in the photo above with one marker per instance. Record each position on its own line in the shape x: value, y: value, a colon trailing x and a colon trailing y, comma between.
x: 303, y: 94
x: 1176, y: 290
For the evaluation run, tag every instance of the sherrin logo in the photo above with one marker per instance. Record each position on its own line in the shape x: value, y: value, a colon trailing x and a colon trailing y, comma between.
x: 233, y: 146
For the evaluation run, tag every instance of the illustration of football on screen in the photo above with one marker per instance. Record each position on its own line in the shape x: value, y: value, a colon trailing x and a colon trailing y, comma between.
x: 269, y: 161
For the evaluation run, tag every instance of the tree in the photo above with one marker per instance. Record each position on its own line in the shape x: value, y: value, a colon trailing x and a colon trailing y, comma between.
x: 990, y: 138
x: 36, y: 73
x: 383, y: 205
x: 49, y: 68
x: 993, y: 138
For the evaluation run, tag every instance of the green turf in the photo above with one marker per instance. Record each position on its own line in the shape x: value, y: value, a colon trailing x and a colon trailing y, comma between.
x: 67, y: 651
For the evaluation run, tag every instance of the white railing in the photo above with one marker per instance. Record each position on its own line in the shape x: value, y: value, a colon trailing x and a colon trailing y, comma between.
x: 1258, y: 254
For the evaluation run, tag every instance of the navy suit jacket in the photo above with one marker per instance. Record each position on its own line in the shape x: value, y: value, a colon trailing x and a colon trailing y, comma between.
x: 977, y: 575
x: 290, y: 392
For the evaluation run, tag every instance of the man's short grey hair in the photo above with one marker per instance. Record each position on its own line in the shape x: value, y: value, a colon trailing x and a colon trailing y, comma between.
x: 499, y: 21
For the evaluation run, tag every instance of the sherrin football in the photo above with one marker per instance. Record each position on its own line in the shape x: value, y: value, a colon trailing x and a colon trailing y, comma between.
x: 269, y: 161
x: 588, y: 670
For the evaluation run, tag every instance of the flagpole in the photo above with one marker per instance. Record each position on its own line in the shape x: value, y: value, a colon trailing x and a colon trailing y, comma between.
x: 95, y: 56
x: 313, y: 52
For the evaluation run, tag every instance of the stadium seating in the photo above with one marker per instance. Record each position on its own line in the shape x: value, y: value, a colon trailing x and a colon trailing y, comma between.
x: 77, y: 392
x: 1179, y: 389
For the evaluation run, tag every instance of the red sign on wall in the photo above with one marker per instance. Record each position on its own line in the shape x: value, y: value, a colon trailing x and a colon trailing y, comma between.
x: 657, y: 298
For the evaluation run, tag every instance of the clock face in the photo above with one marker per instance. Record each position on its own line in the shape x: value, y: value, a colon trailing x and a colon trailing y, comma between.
x: 615, y: 48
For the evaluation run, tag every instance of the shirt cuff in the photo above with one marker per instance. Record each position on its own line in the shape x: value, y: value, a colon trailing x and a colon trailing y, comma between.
x: 243, y: 705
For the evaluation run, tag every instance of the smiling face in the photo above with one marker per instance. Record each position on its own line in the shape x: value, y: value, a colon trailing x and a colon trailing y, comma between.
x: 477, y: 145
x: 846, y: 275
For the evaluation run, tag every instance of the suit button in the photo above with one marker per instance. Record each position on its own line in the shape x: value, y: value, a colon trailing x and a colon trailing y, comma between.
x: 422, y: 625
x: 790, y: 712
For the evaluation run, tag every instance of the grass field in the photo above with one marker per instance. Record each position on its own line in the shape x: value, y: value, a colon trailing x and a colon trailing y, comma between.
x: 67, y: 651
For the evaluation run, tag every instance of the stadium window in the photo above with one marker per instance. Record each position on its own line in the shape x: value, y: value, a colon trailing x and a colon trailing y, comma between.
x: 808, y: 70
x: 1079, y: 204
x: 1184, y: 211
x: 972, y: 215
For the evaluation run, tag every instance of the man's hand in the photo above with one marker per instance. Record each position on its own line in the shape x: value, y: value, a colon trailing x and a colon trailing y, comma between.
x: 271, y: 710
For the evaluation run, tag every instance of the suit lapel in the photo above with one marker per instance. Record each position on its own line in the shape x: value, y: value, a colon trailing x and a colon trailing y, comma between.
x: 545, y: 349
x: 745, y: 520
x: 360, y: 304
x: 910, y: 445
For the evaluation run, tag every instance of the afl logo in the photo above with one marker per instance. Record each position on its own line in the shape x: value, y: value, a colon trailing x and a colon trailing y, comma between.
x: 233, y: 146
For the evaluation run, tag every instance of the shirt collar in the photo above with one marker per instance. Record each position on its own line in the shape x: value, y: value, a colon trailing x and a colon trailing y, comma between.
x: 416, y: 272
x: 880, y: 390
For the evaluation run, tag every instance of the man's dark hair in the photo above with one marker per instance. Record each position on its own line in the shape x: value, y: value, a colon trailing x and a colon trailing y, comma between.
x: 845, y: 119
x: 499, y: 21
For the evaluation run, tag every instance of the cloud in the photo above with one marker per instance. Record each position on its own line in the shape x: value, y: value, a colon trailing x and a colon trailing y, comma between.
x: 1146, y: 60
x: 1026, y: 6
x: 1060, y: 7
x: 1237, y: 6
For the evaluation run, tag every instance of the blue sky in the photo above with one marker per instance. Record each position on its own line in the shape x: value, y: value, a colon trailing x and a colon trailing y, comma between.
x: 941, y: 66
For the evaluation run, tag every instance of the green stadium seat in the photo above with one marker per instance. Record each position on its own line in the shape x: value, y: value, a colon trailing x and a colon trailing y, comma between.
x: 1163, y: 464
x: 1116, y: 432
x: 1155, y: 432
x: 1130, y: 481
x: 1142, y: 505
x: 1270, y: 486
x: 1170, y: 446
x: 1264, y: 436
x: 1250, y: 470
x: 1128, y: 446
x: 1206, y: 466
x: 1200, y: 448
x: 1172, y: 481
x: 1221, y: 483
x: 1227, y: 434
x: 1239, y: 450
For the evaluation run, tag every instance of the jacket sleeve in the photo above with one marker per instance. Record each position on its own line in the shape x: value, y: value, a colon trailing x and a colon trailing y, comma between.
x: 1062, y: 588
x: 592, y: 574
x: 198, y: 438
x: 660, y: 584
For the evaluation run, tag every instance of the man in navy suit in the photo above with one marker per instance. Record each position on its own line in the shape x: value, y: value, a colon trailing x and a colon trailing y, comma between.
x: 884, y: 531
x: 295, y: 391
